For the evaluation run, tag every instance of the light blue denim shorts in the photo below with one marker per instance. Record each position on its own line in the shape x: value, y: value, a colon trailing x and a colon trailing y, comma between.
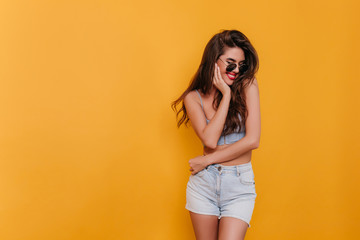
x: 223, y: 191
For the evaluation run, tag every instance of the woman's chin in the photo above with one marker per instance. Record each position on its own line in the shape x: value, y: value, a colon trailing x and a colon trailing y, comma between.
x: 229, y: 82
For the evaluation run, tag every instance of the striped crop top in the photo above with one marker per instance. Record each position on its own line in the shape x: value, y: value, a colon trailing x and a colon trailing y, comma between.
x: 229, y: 138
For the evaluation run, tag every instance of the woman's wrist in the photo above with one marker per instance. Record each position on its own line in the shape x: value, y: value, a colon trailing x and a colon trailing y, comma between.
x: 208, y: 159
x: 227, y: 95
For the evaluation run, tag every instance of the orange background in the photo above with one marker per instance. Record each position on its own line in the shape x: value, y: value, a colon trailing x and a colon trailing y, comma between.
x: 89, y: 147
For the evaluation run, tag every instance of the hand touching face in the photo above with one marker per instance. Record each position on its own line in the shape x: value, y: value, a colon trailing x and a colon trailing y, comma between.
x: 219, y: 82
x: 231, y: 55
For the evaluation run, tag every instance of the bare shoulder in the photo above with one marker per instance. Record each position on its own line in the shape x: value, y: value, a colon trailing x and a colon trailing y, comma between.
x: 253, y: 86
x: 191, y: 97
x: 255, y: 82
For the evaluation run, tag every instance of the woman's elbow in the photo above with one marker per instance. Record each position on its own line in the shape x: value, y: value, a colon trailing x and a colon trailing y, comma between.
x: 255, y: 143
x: 211, y: 145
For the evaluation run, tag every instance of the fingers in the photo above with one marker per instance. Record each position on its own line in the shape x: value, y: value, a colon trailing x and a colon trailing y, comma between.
x: 219, y: 75
x: 220, y: 79
x: 216, y: 75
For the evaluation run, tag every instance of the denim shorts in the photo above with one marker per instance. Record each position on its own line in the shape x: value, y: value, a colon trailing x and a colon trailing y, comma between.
x: 223, y: 191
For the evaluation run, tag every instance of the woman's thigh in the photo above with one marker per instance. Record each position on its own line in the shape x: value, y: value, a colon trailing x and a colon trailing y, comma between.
x: 232, y: 228
x: 205, y: 226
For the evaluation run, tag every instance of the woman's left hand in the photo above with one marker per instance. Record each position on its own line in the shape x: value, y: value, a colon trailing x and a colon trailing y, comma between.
x: 198, y: 163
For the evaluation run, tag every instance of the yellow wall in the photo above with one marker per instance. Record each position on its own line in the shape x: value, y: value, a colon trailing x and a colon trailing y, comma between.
x: 89, y: 147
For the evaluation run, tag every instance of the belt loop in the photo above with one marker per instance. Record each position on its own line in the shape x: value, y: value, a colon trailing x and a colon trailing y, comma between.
x: 237, y: 171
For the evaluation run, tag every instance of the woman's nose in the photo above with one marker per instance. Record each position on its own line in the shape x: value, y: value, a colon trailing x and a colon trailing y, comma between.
x: 236, y: 69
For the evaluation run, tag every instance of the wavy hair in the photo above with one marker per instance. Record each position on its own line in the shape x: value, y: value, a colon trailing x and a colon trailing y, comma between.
x: 202, y: 79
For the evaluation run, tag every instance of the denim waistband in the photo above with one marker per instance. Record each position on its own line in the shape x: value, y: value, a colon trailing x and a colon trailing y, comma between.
x: 235, y: 168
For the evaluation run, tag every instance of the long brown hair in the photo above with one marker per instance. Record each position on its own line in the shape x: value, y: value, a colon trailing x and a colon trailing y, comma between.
x: 202, y: 79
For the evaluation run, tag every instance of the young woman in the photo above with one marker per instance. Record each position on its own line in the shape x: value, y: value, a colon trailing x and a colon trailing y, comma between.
x: 222, y: 103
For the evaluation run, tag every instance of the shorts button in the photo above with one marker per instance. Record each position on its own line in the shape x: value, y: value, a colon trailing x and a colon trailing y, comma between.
x: 219, y: 168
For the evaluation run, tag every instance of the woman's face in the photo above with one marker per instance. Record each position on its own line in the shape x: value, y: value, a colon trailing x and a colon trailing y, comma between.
x: 231, y: 55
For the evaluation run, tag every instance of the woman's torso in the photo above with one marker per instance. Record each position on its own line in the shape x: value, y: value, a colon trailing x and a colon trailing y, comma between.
x: 209, y: 112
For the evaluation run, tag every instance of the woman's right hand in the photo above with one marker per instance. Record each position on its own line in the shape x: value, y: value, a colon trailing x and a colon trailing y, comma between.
x: 219, y: 82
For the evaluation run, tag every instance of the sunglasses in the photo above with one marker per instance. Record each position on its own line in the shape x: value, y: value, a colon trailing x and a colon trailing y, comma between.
x: 232, y: 66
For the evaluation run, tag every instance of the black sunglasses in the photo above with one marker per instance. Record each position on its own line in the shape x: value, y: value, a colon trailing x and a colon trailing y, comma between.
x: 232, y: 66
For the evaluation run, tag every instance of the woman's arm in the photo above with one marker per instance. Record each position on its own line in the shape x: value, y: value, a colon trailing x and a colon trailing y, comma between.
x: 252, y: 138
x: 247, y: 143
x: 210, y: 133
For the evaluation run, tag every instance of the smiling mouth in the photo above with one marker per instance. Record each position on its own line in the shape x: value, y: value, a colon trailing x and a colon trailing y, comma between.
x: 230, y: 76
